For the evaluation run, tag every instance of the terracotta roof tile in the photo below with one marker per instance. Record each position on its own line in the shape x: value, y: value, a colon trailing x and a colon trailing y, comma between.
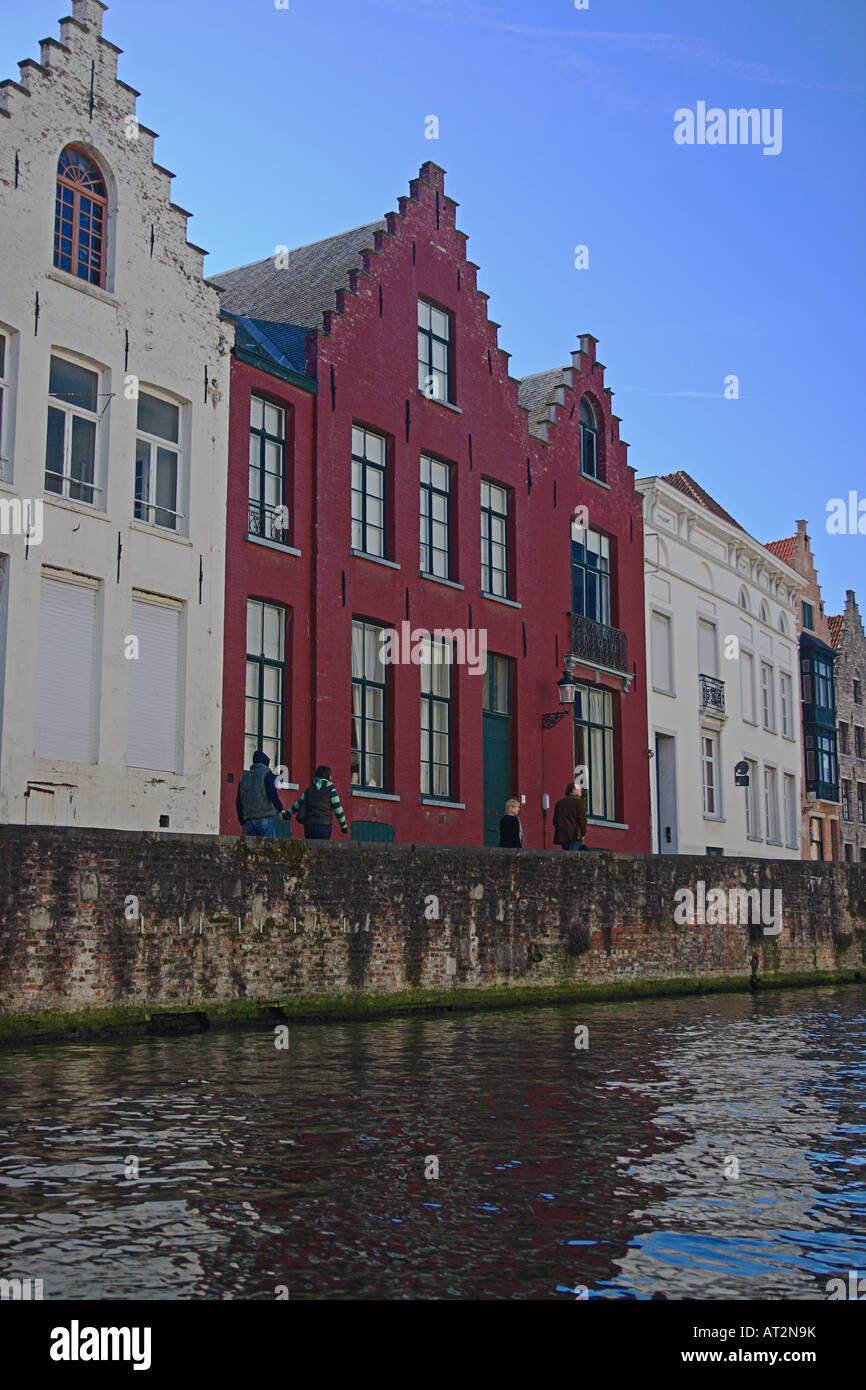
x: 835, y: 621
x: 784, y: 550
x: 684, y: 483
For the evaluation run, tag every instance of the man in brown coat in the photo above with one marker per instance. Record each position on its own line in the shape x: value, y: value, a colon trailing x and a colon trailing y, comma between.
x: 569, y: 819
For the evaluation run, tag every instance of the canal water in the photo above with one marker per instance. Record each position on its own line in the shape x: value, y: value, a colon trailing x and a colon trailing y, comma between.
x: 696, y: 1148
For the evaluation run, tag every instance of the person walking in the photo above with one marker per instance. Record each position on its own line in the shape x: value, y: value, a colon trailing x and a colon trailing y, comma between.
x: 258, y: 800
x: 510, y: 829
x: 569, y: 819
x: 315, y: 807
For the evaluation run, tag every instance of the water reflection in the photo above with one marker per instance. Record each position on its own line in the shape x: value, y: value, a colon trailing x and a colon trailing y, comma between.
x: 259, y: 1167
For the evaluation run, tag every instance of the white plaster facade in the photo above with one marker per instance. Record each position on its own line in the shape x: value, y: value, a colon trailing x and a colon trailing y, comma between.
x: 716, y: 598
x: 156, y: 320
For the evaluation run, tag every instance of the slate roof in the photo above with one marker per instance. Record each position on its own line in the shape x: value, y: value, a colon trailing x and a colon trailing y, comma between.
x: 784, y: 549
x: 283, y: 343
x: 684, y: 483
x: 301, y: 292
x: 536, y: 392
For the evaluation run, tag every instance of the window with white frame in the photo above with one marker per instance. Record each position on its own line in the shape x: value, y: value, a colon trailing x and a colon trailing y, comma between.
x: 369, y: 454
x: 710, y: 775
x: 73, y: 419
x: 747, y: 686
x: 267, y: 469
x: 771, y: 805
x: 786, y: 702
x: 792, y: 812
x: 494, y: 539
x: 436, y: 719
x: 434, y: 352
x: 157, y: 462
x: 266, y: 680
x: 768, y: 708
x: 753, y: 803
x: 662, y: 652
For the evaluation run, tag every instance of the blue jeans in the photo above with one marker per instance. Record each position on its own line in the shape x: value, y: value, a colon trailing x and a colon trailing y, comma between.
x: 265, y: 826
x: 575, y: 844
x: 317, y: 832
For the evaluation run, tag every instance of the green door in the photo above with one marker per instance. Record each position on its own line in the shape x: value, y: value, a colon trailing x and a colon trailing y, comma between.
x: 496, y: 736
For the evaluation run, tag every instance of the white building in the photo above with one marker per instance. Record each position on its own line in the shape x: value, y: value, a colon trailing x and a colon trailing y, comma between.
x: 722, y: 680
x: 114, y: 374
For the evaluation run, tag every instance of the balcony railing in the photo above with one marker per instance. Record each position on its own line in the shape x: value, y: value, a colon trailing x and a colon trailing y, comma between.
x: 267, y: 522
x: 598, y: 644
x: 712, y: 695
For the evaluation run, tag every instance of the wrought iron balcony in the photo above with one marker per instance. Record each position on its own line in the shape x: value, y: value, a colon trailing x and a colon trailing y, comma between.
x: 712, y: 695
x: 598, y: 644
x: 267, y: 522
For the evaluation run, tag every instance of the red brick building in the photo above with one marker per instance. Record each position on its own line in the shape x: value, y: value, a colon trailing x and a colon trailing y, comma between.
x: 399, y: 417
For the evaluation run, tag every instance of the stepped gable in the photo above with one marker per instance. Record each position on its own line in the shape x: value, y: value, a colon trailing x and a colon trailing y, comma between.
x: 544, y: 394
x: 685, y: 483
x: 301, y: 292
x: 83, y: 64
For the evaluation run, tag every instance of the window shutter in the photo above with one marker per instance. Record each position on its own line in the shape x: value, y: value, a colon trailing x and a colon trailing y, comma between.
x: 153, y: 688
x: 661, y: 651
x: 66, y: 672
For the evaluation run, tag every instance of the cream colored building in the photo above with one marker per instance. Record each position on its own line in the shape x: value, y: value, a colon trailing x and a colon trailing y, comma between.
x: 723, y: 680
x: 114, y: 389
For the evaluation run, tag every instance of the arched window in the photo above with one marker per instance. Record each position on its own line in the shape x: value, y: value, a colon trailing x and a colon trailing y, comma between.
x: 744, y: 600
x: 588, y: 440
x: 765, y: 614
x: 783, y: 626
x: 79, y: 217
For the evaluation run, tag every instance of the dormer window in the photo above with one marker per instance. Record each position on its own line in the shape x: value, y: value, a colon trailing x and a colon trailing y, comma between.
x: 588, y: 440
x: 79, y: 217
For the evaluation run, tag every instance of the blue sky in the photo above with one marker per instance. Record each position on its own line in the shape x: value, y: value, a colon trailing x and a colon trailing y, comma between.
x: 556, y: 130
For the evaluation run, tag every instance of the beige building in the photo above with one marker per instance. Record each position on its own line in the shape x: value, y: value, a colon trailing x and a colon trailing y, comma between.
x: 722, y: 680
x: 114, y: 377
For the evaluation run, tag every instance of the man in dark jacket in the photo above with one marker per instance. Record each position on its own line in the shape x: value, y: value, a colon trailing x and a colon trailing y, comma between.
x: 258, y: 800
x: 317, y: 805
x: 569, y: 819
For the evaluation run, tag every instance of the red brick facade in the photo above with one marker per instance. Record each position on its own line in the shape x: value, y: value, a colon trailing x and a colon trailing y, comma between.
x: 364, y: 363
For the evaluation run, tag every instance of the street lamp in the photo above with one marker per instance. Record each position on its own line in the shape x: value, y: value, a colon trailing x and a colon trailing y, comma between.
x: 566, y: 689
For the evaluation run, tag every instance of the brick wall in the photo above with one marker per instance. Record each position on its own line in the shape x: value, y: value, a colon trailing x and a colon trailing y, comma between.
x: 350, y: 919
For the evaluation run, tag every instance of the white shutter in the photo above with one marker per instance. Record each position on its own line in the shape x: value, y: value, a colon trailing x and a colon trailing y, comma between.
x: 661, y: 652
x: 66, y: 672
x: 706, y: 648
x: 153, y: 687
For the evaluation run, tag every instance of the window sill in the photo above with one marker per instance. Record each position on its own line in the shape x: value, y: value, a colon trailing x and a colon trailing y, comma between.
x: 755, y: 839
x: 374, y: 559
x: 447, y: 405
x: 671, y: 694
x: 68, y: 504
x: 448, y: 805
x: 590, y: 479
x: 777, y: 844
x: 62, y: 277
x: 609, y: 824
x: 436, y: 579
x: 494, y: 598
x: 272, y: 545
x: 161, y: 531
x: 717, y: 820
x: 372, y: 795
